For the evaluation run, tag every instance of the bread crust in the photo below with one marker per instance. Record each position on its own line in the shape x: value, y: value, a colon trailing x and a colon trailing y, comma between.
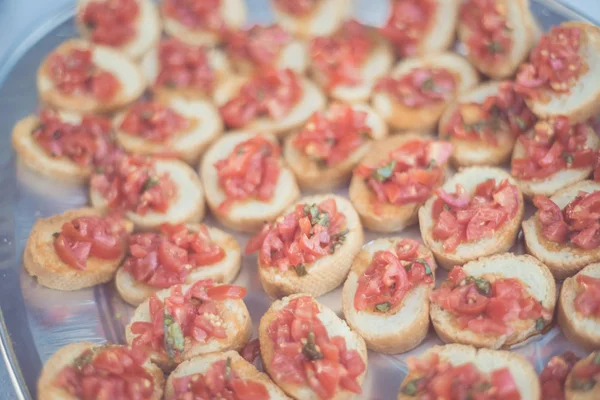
x: 441, y: 34
x: 324, y: 21
x: 571, y: 394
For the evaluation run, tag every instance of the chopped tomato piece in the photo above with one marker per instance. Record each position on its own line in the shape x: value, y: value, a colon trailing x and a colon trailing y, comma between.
x: 296, y: 7
x: 555, y: 374
x: 194, y: 14
x: 153, y: 121
x: 183, y: 66
x: 260, y: 45
x: 587, y: 301
x: 421, y: 87
x: 407, y: 24
x: 111, y: 22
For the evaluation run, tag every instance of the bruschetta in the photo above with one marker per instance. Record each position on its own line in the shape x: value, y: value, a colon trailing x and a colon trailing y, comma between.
x: 246, y: 181
x: 324, y: 151
x: 177, y: 128
x: 420, y: 27
x: 581, y: 383
x: 484, y: 123
x: 221, y: 375
x: 418, y: 90
x: 560, y: 77
x: 179, y: 254
x: 328, y: 361
x: 307, y: 19
x: 271, y: 101
x: 77, y: 249
x: 497, y: 49
x: 202, y: 22
x: 553, y: 155
x: 395, y: 178
x: 480, y: 373
x: 554, y: 375
x: 494, y: 302
x: 476, y: 213
x: 90, y: 371
x: 83, y: 77
x: 348, y: 64
x: 130, y: 26
x: 61, y: 145
x: 151, y: 191
x: 386, y: 296
x: 196, y: 319
x: 563, y: 232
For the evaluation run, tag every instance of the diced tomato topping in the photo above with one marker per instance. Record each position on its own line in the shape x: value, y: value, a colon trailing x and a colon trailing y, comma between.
x: 420, y: 87
x: 154, y: 121
x: 407, y: 24
x: 587, y: 301
x: 596, y: 165
x: 296, y: 7
x: 260, y: 44
x: 204, y: 14
x: 555, y: 374
x: 73, y: 72
x: 338, y: 58
x: 166, y: 259
x: 308, y: 233
x: 107, y: 372
x: 271, y: 94
x: 184, y: 66
x: 251, y: 351
x: 554, y: 64
x: 111, y: 22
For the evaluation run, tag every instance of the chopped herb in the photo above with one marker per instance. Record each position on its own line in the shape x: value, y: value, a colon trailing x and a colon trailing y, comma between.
x: 482, y: 387
x: 330, y: 141
x: 321, y: 163
x: 322, y: 219
x: 567, y: 157
x: 477, y: 126
x: 428, y: 84
x: 584, y: 384
x: 56, y: 234
x: 301, y: 270
x: 228, y: 369
x: 426, y: 265
x: 150, y: 183
x: 483, y: 285
x: 539, y: 324
x: 383, y: 307
x: 316, y: 216
x: 365, y: 135
x: 432, y: 164
x: 84, y: 359
x: 338, y: 239
x: 411, y: 388
x: 241, y: 150
x: 171, y: 84
x: 56, y: 134
x: 90, y: 25
x: 99, y: 170
x: 385, y: 172
x: 495, y: 47
x: 146, y: 114
x: 311, y: 210
x: 310, y: 348
x: 174, y: 340
x: 596, y: 359
x: 520, y: 123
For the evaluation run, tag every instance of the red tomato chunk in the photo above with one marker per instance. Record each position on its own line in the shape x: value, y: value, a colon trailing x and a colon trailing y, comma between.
x: 421, y: 87
x: 554, y: 375
x: 297, y: 7
x: 260, y: 45
x: 182, y: 66
x: 407, y: 24
x: 195, y: 14
x: 587, y: 301
x: 111, y: 22
x: 153, y: 121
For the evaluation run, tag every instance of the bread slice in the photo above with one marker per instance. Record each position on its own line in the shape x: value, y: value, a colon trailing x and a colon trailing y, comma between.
x: 294, y: 55
x: 532, y: 273
x: 223, y: 271
x: 186, y: 206
x: 486, y: 362
x: 326, y: 273
x: 236, y: 320
x: 247, y: 216
x: 591, y: 394
x: 478, y: 152
x: 129, y: 75
x: 66, y: 356
x: 500, y: 242
x: 389, y: 333
x: 148, y: 28
x: 311, y: 176
x: 426, y: 118
x: 40, y: 259
x: 563, y: 260
x: 323, y: 21
x: 335, y: 327
x: 189, y: 145
x: 233, y: 12
x: 242, y: 368
x: 312, y: 100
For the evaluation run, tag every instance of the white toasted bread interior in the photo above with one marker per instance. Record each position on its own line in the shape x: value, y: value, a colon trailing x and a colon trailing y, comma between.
x: 404, y: 327
x: 66, y: 356
x: 147, y: 27
x: 323, y: 21
x: 205, y: 127
x: 312, y: 176
x: 248, y: 215
x: 242, y: 368
x: 486, y: 361
x: 426, y: 118
x: 563, y: 259
x: 335, y: 327
x: 186, y: 206
x: 326, y: 273
x: 586, y: 393
x: 538, y: 282
x: 130, y: 77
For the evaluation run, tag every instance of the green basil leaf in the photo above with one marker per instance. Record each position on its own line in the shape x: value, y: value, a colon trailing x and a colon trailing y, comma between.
x: 411, y: 388
x: 310, y: 348
x: 174, y: 340
x: 150, y: 183
x: 539, y: 324
x: 300, y: 270
x: 384, y: 172
x: 383, y: 307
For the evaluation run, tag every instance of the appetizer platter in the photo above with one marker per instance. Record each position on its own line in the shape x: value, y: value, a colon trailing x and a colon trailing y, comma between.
x: 316, y: 199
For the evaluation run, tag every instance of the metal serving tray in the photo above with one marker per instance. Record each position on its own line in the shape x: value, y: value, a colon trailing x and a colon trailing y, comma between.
x: 36, y: 321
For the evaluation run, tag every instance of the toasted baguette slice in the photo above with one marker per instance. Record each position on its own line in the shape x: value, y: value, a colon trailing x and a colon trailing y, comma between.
x: 502, y: 239
x: 223, y: 271
x: 335, y: 327
x: 294, y: 55
x: 233, y: 13
x: 312, y: 100
x: 479, y: 152
x: 241, y: 367
x: 40, y: 259
x: 236, y: 321
x: 537, y: 280
x: 249, y: 215
x: 326, y: 273
x: 424, y: 119
x: 189, y: 145
x: 186, y: 206
x: 130, y: 77
x: 147, y: 28
x: 591, y: 393
x: 486, y: 362
x: 66, y: 356
x: 405, y: 326
x: 563, y: 260
x: 312, y: 176
x: 323, y: 21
